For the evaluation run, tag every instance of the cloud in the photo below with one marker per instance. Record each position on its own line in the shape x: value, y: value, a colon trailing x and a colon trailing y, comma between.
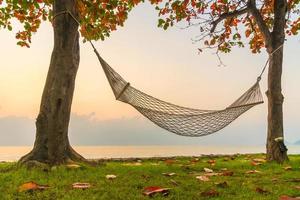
x: 16, y: 130
x: 87, y: 130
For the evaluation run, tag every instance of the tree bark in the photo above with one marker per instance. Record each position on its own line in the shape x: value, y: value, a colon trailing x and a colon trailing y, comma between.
x: 275, y: 144
x: 52, y: 143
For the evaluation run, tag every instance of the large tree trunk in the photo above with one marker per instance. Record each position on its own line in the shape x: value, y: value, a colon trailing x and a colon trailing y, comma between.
x: 276, y: 150
x: 52, y: 144
x: 275, y: 144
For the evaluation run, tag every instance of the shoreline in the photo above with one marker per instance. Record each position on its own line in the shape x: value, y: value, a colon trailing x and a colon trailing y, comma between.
x: 146, y: 152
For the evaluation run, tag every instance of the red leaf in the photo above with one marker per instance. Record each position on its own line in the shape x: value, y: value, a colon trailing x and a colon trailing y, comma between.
x: 151, y: 190
x: 285, y: 197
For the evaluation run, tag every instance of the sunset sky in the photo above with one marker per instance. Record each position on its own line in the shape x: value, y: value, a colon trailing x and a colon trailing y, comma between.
x: 165, y: 64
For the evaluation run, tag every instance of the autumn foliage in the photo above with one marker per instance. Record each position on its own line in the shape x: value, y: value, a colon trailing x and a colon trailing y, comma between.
x: 97, y: 18
x: 226, y: 23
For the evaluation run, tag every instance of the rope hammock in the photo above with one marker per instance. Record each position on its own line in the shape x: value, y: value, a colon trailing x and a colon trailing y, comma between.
x: 177, y: 119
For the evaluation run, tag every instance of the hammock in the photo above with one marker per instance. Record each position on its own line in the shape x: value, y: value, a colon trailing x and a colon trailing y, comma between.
x: 177, y: 119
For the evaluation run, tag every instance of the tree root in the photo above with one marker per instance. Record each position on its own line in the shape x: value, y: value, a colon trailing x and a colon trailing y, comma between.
x: 36, y: 158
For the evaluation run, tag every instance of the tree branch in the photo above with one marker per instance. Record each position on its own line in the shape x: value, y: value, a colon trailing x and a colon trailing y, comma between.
x: 280, y: 10
x: 260, y: 22
x: 226, y: 16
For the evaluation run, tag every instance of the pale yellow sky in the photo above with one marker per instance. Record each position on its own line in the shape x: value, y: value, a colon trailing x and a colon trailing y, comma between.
x: 164, y: 64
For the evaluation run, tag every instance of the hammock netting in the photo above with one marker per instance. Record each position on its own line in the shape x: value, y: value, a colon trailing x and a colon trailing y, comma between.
x: 177, y: 119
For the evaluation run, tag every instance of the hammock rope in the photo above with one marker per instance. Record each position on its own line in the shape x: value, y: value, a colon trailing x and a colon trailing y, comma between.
x: 177, y: 119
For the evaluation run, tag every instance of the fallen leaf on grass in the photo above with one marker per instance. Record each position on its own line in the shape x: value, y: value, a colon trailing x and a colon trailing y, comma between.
x: 261, y: 191
x: 170, y: 162
x: 208, y: 170
x: 210, y: 193
x: 31, y: 186
x: 211, y: 162
x: 252, y: 172
x: 213, y: 174
x: 227, y: 173
x: 174, y: 182
x: 255, y: 163
x: 297, y: 187
x: 110, y: 176
x: 226, y: 159
x: 287, y: 168
x: 296, y: 180
x: 285, y: 197
x: 133, y: 164
x: 81, y: 185
x: 169, y: 174
x: 73, y: 166
x: 154, y: 164
x: 194, y: 160
x: 248, y: 156
x: 186, y: 167
x: 151, y: 190
x: 222, y: 184
x: 202, y: 178
x: 145, y: 176
x: 259, y: 160
x: 274, y: 179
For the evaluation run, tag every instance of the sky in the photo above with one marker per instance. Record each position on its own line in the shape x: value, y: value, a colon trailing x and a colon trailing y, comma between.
x: 164, y: 64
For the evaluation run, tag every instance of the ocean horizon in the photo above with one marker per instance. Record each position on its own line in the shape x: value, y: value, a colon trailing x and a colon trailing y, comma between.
x: 13, y: 153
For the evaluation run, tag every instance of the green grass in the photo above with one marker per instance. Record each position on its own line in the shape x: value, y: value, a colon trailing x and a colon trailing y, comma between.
x: 131, y: 180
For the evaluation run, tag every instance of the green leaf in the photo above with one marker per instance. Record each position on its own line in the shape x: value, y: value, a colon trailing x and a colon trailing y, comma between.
x: 9, y: 27
x: 166, y: 26
x: 160, y: 22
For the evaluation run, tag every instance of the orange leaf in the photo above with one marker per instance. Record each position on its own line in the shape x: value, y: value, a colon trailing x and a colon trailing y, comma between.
x: 247, y: 32
x: 31, y: 186
x: 169, y: 161
x: 255, y: 163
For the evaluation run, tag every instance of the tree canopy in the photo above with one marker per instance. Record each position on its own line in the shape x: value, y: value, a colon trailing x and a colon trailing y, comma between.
x: 97, y: 18
x: 227, y: 23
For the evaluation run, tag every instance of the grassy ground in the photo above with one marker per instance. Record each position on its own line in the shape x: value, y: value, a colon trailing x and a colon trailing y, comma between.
x: 271, y: 182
